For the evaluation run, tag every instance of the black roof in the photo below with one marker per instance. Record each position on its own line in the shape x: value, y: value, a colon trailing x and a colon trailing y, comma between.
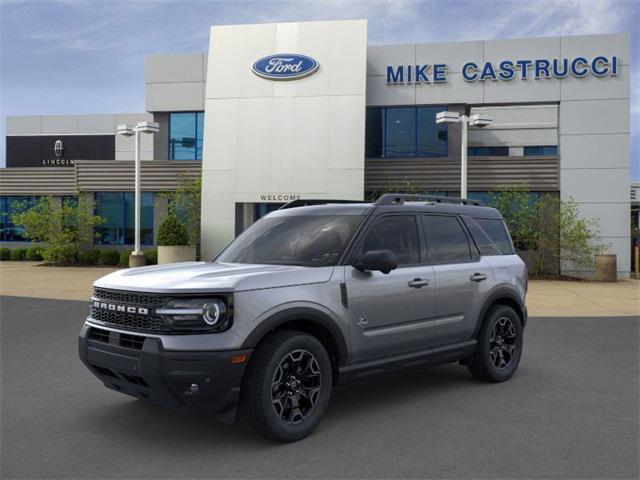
x: 391, y: 203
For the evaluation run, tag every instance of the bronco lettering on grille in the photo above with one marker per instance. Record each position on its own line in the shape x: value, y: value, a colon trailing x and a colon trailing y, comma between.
x: 120, y: 308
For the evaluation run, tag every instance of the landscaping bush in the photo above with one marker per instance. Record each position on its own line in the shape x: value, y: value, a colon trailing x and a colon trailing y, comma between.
x: 5, y: 253
x: 18, y: 254
x: 90, y: 257
x: 151, y: 257
x: 63, y: 227
x: 61, y: 254
x: 172, y: 232
x: 109, y: 257
x: 124, y: 258
x: 34, y: 254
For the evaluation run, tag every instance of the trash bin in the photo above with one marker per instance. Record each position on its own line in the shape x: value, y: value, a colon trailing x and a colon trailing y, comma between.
x: 606, y: 268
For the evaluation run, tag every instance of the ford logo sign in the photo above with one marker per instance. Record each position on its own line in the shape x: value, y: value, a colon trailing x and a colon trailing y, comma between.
x: 285, y: 66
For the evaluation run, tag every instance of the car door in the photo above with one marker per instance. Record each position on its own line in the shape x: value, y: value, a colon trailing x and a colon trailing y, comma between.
x: 389, y: 314
x: 461, y: 277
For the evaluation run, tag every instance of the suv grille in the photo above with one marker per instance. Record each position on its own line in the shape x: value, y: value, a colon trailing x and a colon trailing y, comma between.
x: 130, y: 298
x: 129, y: 321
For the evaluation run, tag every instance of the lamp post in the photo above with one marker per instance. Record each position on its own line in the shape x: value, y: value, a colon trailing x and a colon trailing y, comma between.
x: 136, y: 258
x: 477, y: 120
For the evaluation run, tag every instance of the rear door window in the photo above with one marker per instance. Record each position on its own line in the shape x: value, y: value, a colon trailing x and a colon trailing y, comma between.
x: 446, y: 240
x: 483, y: 242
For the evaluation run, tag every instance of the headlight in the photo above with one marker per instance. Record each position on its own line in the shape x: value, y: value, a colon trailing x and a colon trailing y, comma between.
x: 195, y: 314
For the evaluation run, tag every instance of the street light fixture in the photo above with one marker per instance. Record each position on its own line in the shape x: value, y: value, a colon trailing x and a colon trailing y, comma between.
x: 136, y: 259
x: 477, y: 120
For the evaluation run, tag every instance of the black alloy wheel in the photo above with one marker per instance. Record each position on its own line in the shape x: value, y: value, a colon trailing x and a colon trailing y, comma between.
x: 296, y: 386
x: 287, y: 385
x: 502, y: 343
x: 499, y: 346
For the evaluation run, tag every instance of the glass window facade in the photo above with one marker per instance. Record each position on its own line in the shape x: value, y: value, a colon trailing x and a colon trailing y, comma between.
x: 117, y: 209
x: 405, y: 132
x: 8, y: 206
x: 185, y: 135
x: 541, y: 151
x: 488, y: 151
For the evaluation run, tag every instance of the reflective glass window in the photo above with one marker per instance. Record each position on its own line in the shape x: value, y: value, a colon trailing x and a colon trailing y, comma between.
x: 375, y: 131
x: 9, y: 205
x: 400, y: 132
x: 541, y: 151
x: 432, y: 137
x: 185, y: 135
x: 117, y: 209
x: 393, y: 132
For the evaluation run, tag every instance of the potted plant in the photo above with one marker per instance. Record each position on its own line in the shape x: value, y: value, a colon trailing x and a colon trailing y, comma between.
x: 173, y: 242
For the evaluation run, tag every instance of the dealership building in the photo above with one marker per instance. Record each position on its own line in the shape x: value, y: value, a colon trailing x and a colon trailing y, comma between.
x: 276, y: 112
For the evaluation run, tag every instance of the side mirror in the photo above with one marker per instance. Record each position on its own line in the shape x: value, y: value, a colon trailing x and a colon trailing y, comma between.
x: 382, y: 260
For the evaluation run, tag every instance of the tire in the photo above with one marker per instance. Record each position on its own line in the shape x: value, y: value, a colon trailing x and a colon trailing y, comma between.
x: 287, y: 386
x: 499, y: 345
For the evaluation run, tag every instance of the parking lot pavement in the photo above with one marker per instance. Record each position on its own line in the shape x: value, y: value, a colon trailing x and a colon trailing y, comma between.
x: 570, y: 412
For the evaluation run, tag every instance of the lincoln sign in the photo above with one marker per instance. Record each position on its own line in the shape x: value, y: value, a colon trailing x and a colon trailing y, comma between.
x: 506, y: 70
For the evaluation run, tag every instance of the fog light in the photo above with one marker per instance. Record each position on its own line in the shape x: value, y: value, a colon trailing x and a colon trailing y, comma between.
x: 193, y: 389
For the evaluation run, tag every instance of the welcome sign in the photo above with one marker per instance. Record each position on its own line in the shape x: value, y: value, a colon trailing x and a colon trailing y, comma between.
x: 506, y: 70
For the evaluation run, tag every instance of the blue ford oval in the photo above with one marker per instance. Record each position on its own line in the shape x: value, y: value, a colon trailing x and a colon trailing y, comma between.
x: 284, y: 66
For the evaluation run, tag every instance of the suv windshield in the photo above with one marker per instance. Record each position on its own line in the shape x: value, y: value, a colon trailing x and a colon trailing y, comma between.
x: 309, y: 241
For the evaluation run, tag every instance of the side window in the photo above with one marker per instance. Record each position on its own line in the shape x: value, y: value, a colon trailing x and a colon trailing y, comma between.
x: 398, y: 233
x: 483, y: 242
x: 446, y: 239
x: 497, y: 232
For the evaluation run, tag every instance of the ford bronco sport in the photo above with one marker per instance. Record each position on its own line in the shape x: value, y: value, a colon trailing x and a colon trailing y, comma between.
x: 310, y: 296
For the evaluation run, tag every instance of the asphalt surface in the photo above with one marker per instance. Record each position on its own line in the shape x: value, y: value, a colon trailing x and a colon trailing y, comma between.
x: 570, y: 412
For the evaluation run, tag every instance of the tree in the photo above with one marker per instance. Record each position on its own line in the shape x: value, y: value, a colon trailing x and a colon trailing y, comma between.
x: 64, y: 227
x: 548, y: 232
x: 184, y: 203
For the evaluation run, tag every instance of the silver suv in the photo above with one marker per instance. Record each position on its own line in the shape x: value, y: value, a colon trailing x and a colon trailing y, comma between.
x: 310, y: 296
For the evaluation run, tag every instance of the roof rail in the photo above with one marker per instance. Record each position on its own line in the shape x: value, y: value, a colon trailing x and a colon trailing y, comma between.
x: 401, y: 198
x: 305, y: 203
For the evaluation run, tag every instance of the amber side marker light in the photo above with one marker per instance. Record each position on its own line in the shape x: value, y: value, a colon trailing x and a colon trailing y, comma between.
x: 238, y: 358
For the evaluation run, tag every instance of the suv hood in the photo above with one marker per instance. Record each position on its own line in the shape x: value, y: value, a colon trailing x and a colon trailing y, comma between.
x: 198, y: 277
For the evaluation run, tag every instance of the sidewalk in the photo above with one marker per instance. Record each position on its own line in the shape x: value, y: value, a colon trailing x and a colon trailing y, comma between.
x: 30, y: 279
x: 546, y: 298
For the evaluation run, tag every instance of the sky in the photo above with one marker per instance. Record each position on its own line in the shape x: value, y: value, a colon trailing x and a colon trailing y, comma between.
x: 87, y: 56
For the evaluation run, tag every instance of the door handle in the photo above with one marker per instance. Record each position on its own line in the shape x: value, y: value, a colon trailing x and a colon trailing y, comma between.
x: 418, y: 283
x: 478, y: 277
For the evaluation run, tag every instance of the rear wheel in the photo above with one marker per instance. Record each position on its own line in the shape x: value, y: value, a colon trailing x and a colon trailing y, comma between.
x: 287, y: 386
x: 499, y: 345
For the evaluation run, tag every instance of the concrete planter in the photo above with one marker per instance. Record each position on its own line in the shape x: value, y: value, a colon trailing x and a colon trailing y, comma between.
x: 176, y: 253
x: 606, y: 268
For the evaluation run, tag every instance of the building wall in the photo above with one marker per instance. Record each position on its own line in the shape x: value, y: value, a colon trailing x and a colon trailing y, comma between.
x: 299, y: 137
x: 516, y: 126
x: 175, y: 82
x: 592, y: 114
x: 101, y: 124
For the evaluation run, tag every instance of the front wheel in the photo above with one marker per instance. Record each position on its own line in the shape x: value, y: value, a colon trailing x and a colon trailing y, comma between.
x: 499, y: 345
x: 287, y: 386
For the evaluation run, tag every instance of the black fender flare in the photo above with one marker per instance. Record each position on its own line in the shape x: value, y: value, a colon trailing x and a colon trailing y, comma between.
x: 502, y: 292
x: 307, y: 314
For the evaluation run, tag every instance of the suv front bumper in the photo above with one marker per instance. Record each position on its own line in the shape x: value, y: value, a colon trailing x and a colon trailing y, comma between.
x: 137, y: 365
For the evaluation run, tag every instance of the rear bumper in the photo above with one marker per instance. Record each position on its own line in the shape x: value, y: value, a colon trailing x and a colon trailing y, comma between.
x: 137, y: 365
